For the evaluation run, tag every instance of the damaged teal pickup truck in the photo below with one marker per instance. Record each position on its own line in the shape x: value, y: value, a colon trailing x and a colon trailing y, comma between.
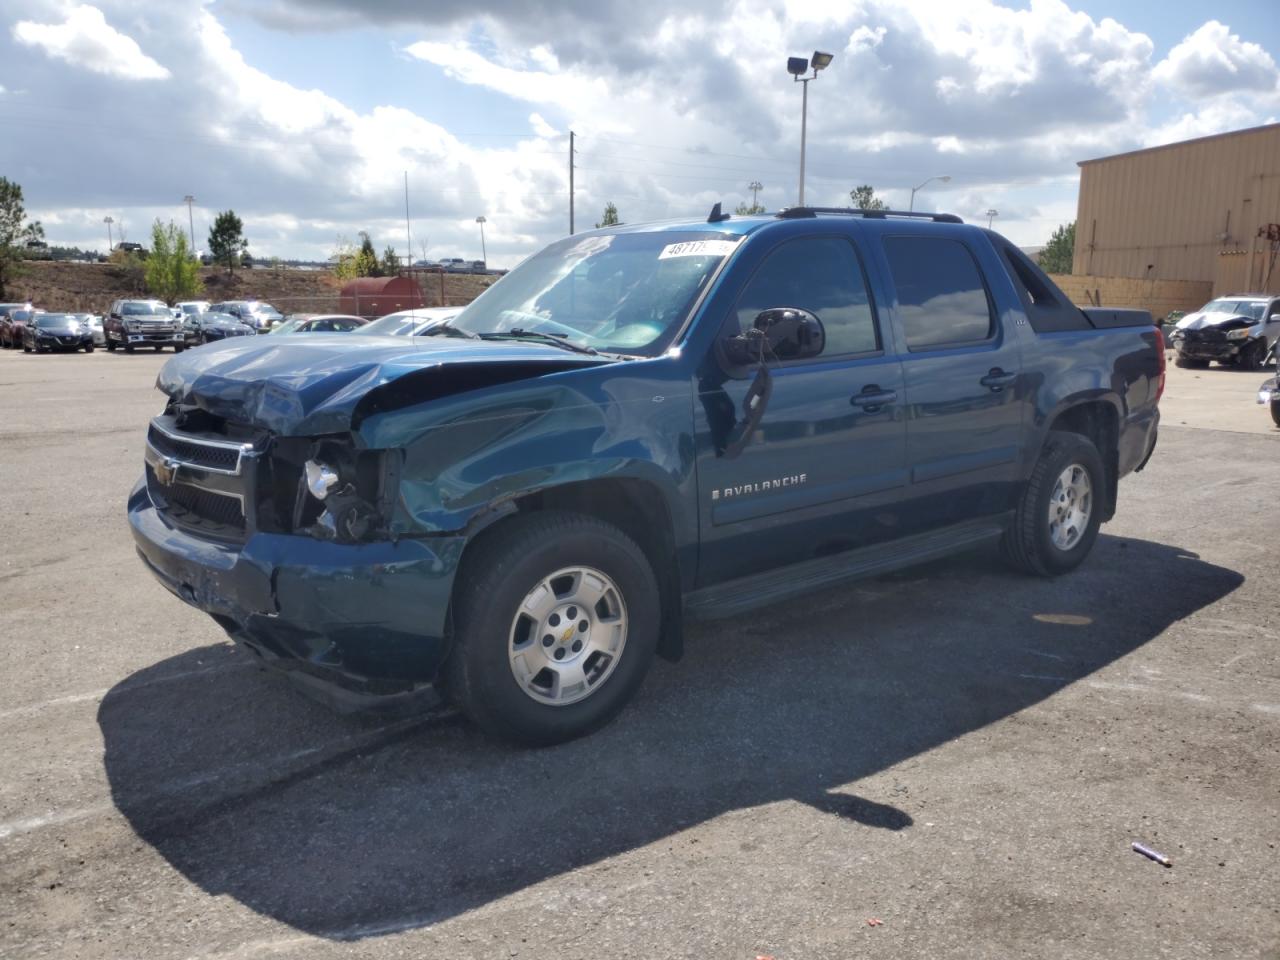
x: 637, y: 425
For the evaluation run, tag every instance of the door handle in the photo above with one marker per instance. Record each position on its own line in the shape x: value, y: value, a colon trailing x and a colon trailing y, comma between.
x: 997, y: 380
x: 872, y: 398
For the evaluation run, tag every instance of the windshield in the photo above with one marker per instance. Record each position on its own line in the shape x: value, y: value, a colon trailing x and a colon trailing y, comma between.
x: 287, y: 327
x: 407, y: 321
x: 143, y: 309
x: 265, y: 309
x: 1244, y: 308
x: 619, y: 293
x: 48, y: 321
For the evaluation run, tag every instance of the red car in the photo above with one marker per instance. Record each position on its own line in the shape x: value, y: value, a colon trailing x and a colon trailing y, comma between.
x: 13, y: 318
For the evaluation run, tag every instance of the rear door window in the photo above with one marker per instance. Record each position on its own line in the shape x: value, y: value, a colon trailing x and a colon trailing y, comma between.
x: 942, y: 300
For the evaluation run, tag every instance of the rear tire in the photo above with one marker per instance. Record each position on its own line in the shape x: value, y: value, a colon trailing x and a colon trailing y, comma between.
x: 88, y: 348
x: 1275, y: 412
x: 1034, y: 543
x: 128, y: 347
x: 539, y: 555
x: 1188, y: 364
x: 110, y: 345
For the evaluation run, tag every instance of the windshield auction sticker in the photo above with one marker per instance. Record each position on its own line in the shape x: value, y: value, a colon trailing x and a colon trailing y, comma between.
x: 698, y: 248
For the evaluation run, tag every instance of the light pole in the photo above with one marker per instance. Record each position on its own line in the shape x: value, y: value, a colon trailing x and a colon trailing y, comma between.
x: 912, y: 205
x: 797, y: 66
x: 110, y: 242
x: 189, y: 200
x: 484, y: 254
x: 755, y: 186
x: 991, y: 215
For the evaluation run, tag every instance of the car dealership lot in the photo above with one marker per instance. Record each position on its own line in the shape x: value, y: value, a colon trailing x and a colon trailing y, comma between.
x: 961, y: 752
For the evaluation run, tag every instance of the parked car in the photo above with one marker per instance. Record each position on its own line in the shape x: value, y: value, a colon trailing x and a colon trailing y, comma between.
x: 208, y: 327
x: 323, y: 323
x: 478, y: 266
x: 127, y: 246
x: 455, y: 265
x: 94, y: 324
x: 640, y: 424
x: 409, y: 322
x: 142, y: 323
x: 261, y: 316
x: 189, y: 308
x: 11, y: 329
x: 56, y: 331
x: 1237, y: 330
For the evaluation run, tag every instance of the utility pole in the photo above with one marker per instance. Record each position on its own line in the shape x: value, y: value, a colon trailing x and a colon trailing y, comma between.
x: 571, y: 138
x: 191, y: 223
x: 804, y: 122
x: 110, y: 242
x: 408, y: 240
x: 991, y: 215
x: 484, y: 254
x: 755, y: 186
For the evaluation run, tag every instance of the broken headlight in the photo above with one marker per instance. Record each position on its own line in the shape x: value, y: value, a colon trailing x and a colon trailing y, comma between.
x: 331, y: 489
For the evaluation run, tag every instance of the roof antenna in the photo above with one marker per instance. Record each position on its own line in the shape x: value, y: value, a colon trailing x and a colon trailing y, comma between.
x: 716, y: 216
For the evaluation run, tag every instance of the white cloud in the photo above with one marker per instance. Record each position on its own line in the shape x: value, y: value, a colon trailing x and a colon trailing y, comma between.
x: 85, y: 39
x: 1213, y: 60
x: 676, y: 105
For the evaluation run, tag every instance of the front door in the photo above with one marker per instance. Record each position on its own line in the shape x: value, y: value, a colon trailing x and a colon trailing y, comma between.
x: 963, y: 387
x: 824, y: 470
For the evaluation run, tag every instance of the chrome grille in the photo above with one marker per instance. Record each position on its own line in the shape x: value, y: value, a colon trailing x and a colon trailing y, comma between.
x: 201, y: 482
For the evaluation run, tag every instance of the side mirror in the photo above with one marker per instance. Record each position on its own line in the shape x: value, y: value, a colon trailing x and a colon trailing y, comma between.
x: 784, y: 333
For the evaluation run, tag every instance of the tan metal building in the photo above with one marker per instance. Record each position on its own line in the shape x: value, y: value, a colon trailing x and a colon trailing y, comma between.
x: 1184, y: 211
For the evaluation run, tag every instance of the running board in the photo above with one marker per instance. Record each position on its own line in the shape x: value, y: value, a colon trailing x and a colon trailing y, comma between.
x: 762, y: 589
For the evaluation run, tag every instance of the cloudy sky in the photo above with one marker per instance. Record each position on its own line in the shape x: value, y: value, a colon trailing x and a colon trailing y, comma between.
x: 304, y: 115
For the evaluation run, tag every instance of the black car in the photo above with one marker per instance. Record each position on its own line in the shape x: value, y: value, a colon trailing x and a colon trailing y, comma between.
x: 201, y: 328
x: 56, y: 331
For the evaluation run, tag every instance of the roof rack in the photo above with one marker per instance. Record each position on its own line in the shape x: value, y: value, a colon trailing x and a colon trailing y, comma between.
x: 795, y: 213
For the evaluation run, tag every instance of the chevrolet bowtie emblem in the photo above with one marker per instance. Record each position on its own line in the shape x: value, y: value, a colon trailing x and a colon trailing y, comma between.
x: 167, y: 471
x: 566, y: 635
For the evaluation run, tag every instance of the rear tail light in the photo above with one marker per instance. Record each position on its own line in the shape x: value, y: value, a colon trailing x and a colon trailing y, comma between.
x: 1163, y: 363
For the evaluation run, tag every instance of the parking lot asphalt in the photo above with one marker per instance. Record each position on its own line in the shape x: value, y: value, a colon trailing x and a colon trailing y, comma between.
x: 958, y: 751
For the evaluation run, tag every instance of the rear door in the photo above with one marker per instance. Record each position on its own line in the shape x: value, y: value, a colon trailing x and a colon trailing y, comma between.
x: 824, y: 469
x: 963, y: 373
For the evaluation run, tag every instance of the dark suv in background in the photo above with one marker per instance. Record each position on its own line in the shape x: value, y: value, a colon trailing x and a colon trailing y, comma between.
x: 145, y: 323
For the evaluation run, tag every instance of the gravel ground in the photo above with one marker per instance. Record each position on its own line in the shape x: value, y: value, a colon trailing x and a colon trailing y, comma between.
x: 958, y: 751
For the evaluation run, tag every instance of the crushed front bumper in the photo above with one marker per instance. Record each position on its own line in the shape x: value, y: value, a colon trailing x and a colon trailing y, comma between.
x: 1223, y: 351
x: 356, y: 625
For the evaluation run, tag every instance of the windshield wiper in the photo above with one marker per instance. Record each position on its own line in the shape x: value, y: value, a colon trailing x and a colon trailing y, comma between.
x: 555, y: 339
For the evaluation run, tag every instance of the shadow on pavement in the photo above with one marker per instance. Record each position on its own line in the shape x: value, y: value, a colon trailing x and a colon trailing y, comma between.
x: 350, y: 827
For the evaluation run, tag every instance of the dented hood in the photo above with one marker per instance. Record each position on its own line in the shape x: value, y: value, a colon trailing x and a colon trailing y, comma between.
x: 325, y: 383
x: 1225, y: 321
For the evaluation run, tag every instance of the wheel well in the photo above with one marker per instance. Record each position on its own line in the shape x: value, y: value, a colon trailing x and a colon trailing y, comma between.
x: 638, y: 510
x: 1097, y: 421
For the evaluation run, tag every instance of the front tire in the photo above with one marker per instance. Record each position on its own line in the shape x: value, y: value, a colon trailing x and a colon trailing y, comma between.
x: 128, y: 347
x: 1275, y: 412
x: 1255, y: 357
x: 1058, y: 516
x: 1188, y: 364
x: 566, y: 578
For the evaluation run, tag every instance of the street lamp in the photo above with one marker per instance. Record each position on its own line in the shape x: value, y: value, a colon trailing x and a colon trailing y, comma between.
x: 484, y: 254
x: 109, y: 221
x: 755, y: 186
x: 189, y: 200
x: 797, y: 66
x: 991, y: 215
x: 912, y: 205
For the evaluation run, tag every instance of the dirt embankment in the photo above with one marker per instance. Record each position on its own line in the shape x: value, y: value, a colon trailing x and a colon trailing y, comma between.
x: 92, y: 287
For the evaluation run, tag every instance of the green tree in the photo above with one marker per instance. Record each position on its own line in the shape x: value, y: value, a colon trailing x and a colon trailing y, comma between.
x: 745, y: 209
x: 864, y: 198
x: 367, y: 260
x: 172, y: 273
x: 344, y: 260
x: 1058, y: 253
x: 12, y: 213
x: 390, y: 262
x: 610, y: 215
x: 227, y: 241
